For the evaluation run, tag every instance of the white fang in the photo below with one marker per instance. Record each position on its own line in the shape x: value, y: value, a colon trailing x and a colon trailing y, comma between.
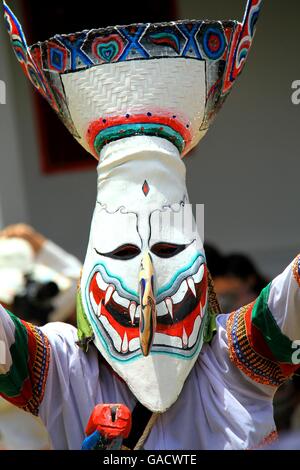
x: 125, y: 343
x: 132, y: 311
x: 169, y: 305
x: 191, y: 285
x: 109, y: 293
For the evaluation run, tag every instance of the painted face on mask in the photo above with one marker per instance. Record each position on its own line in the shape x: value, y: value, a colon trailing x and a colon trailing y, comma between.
x: 177, y: 279
x: 144, y: 283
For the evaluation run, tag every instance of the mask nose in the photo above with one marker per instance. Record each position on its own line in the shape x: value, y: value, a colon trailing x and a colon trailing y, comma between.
x: 148, y: 315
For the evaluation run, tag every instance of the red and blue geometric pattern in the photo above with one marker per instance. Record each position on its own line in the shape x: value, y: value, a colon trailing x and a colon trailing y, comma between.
x: 223, y: 45
x: 241, y: 43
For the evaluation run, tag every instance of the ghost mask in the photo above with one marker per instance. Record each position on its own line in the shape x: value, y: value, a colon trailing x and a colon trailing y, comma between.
x: 139, y: 98
x: 142, y: 239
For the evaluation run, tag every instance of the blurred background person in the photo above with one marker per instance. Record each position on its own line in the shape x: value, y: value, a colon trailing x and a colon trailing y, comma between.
x: 38, y: 283
x: 236, y: 278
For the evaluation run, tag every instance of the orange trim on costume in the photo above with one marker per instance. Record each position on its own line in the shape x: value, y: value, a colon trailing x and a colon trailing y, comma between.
x: 273, y: 436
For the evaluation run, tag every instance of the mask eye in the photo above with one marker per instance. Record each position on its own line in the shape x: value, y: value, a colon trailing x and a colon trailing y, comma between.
x: 123, y: 253
x: 167, y: 250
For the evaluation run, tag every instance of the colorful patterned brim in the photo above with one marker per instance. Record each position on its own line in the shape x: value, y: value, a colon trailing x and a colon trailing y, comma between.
x: 167, y: 79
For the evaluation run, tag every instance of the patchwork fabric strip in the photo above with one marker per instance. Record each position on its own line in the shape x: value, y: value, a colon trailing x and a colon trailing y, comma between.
x: 255, y: 366
x: 256, y: 344
x: 39, y: 363
x: 25, y: 382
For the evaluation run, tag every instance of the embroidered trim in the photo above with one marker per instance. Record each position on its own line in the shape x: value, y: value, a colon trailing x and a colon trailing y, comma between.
x: 39, y: 365
x: 272, y: 437
x: 258, y: 368
x: 296, y: 270
x: 212, y: 297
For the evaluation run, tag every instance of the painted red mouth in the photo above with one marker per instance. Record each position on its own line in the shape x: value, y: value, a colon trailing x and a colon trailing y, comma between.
x: 178, y: 323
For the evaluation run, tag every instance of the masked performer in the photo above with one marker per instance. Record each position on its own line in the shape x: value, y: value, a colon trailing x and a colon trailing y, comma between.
x: 38, y: 282
x: 139, y: 98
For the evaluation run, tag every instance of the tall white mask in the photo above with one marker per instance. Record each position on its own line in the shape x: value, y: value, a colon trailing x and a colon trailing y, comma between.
x: 142, y: 209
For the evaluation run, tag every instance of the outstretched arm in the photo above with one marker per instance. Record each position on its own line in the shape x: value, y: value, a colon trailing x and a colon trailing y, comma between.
x: 263, y: 336
x: 24, y: 360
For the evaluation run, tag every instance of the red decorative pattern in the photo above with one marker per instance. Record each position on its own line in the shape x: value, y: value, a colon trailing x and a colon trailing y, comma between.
x: 241, y: 44
x: 106, y: 122
x: 33, y: 389
x: 29, y: 61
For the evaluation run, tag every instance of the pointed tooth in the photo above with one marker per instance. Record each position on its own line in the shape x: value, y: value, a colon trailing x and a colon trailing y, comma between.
x: 179, y: 295
x: 138, y: 311
x: 199, y: 274
x: 169, y: 305
x: 132, y: 311
x: 125, y: 343
x: 99, y: 309
x: 185, y: 339
x: 191, y: 285
x: 93, y: 302
x: 162, y: 309
x: 120, y: 300
x: 109, y: 292
x: 113, y: 334
x: 194, y: 335
x: 101, y: 284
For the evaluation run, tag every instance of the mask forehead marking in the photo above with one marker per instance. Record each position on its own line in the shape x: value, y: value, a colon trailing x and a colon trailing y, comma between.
x: 146, y: 188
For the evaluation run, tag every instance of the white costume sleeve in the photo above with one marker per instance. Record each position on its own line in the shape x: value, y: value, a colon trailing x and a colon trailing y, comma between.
x: 261, y: 336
